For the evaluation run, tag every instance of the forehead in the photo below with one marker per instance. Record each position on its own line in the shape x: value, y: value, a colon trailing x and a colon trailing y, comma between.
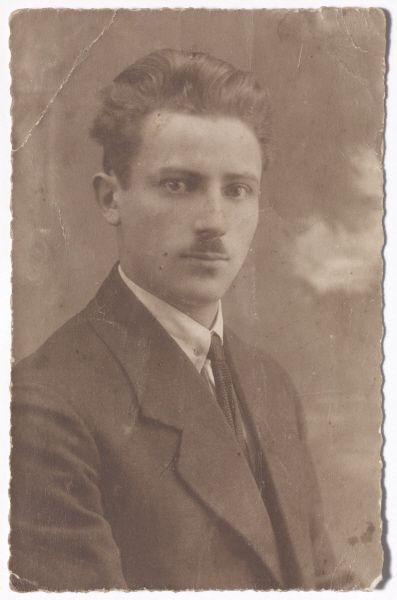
x: 203, y: 143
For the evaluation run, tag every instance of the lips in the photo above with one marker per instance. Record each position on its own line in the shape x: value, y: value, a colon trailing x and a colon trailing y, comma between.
x: 207, y: 256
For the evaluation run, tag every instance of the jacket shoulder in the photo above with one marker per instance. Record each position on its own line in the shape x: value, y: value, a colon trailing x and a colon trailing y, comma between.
x: 68, y: 345
x: 73, y: 367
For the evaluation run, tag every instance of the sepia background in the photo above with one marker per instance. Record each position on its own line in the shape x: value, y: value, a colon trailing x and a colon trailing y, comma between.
x: 310, y: 292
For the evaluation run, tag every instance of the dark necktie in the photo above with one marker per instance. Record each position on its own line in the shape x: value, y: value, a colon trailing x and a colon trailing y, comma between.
x: 224, y: 387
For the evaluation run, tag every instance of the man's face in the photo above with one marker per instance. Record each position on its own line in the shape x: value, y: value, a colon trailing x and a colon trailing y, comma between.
x: 188, y: 218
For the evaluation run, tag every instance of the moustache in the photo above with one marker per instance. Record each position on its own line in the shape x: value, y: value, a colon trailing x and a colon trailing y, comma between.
x: 213, y: 245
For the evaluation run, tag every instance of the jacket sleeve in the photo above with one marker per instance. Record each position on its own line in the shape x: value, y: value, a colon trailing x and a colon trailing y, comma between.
x: 60, y: 538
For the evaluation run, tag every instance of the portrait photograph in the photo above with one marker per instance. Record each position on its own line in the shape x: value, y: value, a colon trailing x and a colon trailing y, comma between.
x: 197, y: 271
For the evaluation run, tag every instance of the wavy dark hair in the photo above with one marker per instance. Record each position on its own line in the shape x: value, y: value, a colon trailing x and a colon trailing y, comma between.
x: 190, y: 82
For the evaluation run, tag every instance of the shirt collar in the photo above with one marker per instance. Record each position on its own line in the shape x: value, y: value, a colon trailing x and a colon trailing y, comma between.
x: 192, y: 337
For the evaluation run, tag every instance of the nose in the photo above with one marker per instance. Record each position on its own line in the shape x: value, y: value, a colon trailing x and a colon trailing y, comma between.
x: 211, y: 219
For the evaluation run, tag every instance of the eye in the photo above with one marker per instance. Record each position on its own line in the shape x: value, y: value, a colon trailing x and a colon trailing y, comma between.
x: 175, y: 186
x: 238, y: 190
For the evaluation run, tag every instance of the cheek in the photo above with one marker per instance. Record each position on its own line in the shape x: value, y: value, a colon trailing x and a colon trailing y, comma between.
x: 149, y: 221
x: 247, y: 221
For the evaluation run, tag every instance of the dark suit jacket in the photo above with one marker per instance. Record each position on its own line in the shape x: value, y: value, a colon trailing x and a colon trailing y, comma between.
x: 126, y: 475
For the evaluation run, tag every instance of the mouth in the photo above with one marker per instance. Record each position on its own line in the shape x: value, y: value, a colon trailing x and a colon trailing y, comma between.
x: 207, y: 256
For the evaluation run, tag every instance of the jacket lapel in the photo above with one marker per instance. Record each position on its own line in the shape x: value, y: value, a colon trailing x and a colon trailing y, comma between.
x: 215, y: 469
x: 271, y: 407
x: 171, y: 391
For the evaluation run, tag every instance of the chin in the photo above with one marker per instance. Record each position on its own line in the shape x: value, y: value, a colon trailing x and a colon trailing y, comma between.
x: 201, y: 295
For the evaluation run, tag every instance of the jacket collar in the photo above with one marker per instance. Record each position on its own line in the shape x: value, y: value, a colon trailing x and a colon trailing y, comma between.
x: 170, y: 391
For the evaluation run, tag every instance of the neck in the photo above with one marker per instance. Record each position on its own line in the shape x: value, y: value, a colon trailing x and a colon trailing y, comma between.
x: 205, y: 315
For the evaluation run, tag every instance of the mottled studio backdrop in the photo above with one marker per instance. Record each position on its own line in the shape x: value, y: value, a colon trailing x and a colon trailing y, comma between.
x: 310, y: 292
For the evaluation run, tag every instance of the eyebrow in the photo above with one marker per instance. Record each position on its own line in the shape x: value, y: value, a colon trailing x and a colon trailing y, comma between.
x: 242, y: 175
x: 189, y: 173
x: 164, y: 171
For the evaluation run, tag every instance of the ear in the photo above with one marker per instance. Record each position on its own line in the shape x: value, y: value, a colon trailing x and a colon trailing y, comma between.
x: 107, y: 190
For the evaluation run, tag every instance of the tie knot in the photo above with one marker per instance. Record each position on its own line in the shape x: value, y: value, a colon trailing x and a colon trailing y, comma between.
x: 216, y: 352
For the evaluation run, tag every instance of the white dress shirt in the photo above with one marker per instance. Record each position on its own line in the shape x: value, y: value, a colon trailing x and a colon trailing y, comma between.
x: 192, y: 337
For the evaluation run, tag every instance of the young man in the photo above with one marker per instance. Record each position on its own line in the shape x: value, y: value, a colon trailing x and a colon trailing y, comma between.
x: 151, y: 447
